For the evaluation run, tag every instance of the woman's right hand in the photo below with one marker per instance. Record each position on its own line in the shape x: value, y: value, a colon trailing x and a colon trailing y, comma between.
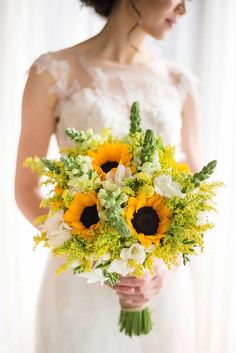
x: 136, y: 292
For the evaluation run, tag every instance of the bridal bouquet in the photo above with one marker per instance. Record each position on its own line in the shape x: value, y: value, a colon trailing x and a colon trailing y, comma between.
x: 117, y: 204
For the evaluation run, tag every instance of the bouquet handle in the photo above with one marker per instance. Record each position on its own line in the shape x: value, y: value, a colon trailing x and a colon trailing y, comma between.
x: 135, y: 321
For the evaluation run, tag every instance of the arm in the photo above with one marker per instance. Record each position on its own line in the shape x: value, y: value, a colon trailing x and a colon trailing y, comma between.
x: 192, y: 146
x: 190, y: 130
x: 37, y: 127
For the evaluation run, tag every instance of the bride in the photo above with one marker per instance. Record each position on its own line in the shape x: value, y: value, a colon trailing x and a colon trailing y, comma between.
x: 91, y: 85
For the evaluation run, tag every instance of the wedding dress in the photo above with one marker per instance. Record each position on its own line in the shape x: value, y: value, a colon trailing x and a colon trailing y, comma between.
x: 72, y: 316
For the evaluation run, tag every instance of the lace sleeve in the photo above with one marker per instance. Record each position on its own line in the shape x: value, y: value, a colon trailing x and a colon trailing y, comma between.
x: 58, y: 69
x: 187, y: 83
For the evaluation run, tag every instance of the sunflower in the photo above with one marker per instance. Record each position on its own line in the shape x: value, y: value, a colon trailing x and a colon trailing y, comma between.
x: 82, y: 214
x: 148, y: 218
x: 108, y: 156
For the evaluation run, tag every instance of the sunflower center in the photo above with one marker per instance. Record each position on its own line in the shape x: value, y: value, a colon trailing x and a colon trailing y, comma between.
x: 106, y: 167
x: 146, y: 221
x: 89, y: 216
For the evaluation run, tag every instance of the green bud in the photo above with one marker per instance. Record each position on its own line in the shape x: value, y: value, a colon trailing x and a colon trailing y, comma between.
x: 135, y: 119
x: 149, y: 147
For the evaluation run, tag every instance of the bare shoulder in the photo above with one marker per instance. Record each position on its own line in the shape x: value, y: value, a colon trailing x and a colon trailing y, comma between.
x: 68, y: 54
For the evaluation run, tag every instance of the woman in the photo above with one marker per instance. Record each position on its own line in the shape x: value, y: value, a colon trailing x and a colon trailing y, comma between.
x: 93, y: 84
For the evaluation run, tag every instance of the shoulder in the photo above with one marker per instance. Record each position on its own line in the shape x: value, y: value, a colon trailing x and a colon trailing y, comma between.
x: 184, y: 79
x: 57, y: 68
x: 55, y: 61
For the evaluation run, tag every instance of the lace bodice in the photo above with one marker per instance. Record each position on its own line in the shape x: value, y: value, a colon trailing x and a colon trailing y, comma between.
x: 96, y: 93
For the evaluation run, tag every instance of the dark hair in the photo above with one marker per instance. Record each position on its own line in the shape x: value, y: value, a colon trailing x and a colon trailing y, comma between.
x: 102, y: 7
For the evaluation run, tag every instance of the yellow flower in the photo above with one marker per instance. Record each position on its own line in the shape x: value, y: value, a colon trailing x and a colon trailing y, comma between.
x: 167, y: 159
x: 183, y: 167
x: 58, y: 202
x: 82, y: 214
x: 108, y: 156
x: 148, y: 218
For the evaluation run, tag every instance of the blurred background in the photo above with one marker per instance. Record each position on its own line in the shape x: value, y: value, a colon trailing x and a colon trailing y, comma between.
x: 205, y: 43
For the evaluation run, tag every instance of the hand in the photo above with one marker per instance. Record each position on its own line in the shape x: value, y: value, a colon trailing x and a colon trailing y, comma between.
x: 136, y: 292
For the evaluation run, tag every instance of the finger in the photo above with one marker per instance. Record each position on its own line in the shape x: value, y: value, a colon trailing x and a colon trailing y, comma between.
x: 133, y: 297
x: 125, y: 289
x: 136, y: 303
x: 132, y: 281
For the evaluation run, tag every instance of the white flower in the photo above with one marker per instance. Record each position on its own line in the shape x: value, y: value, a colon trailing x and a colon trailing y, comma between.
x: 147, y: 168
x: 79, y: 182
x: 118, y: 177
x: 109, y: 186
x: 57, y: 238
x: 56, y: 230
x: 106, y: 257
x: 96, y: 275
x: 202, y: 218
x: 136, y: 252
x: 165, y: 186
x: 120, y: 266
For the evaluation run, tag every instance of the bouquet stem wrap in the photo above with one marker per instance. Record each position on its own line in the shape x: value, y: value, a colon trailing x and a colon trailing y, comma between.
x: 135, y: 321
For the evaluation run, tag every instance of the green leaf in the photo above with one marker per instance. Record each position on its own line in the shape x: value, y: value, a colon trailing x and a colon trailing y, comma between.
x: 51, y: 165
x: 204, y: 174
x: 111, y: 278
x: 77, y: 269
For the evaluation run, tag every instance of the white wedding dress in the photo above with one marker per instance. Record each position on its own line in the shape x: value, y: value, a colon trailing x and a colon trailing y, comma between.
x: 73, y: 317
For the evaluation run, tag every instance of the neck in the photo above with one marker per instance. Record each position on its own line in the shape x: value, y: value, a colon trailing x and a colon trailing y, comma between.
x: 113, y: 44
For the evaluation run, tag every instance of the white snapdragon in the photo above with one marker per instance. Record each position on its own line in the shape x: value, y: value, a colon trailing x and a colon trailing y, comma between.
x: 84, y: 182
x: 56, y: 230
x: 136, y: 252
x: 151, y: 167
x: 164, y: 185
x: 95, y: 275
x: 85, y: 163
x: 118, y: 177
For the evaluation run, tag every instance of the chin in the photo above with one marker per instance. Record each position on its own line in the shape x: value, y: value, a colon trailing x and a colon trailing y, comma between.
x: 160, y: 36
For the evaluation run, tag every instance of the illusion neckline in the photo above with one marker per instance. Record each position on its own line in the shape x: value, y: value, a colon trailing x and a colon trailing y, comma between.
x: 96, y: 60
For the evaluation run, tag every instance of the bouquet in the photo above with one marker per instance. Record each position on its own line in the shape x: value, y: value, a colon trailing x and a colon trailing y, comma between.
x: 115, y: 205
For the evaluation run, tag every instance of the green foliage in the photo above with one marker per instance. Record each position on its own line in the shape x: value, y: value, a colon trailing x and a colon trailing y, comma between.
x: 205, y: 173
x: 138, y: 181
x: 52, y: 165
x: 196, y: 180
x: 75, y: 135
x: 42, y: 238
x: 149, y: 147
x: 113, y: 202
x: 135, y: 119
x: 35, y: 164
x: 111, y: 278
